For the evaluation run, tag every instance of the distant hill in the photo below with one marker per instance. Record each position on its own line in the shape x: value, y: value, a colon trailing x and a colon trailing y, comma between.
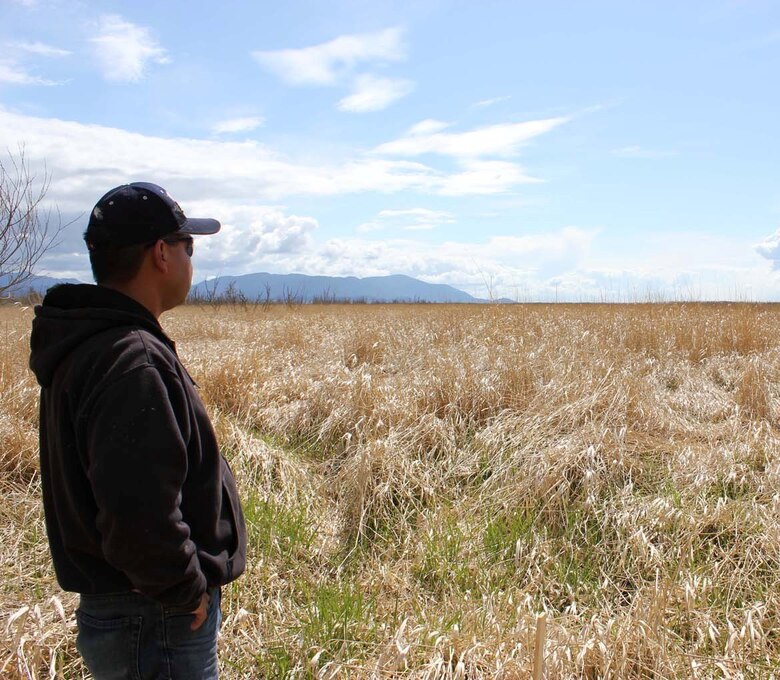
x: 35, y: 284
x: 302, y: 288
x: 297, y: 288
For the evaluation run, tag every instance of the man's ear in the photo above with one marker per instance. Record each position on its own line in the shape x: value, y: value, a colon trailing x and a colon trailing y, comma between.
x: 159, y: 256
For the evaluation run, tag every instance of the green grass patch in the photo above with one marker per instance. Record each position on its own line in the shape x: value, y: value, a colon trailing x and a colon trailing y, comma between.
x: 575, y: 540
x: 339, y: 619
x: 277, y: 531
x: 307, y: 447
x: 502, y: 534
x: 445, y: 563
x: 274, y: 663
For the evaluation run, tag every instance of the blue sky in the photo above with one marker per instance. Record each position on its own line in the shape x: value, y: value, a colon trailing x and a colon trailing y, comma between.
x: 584, y: 150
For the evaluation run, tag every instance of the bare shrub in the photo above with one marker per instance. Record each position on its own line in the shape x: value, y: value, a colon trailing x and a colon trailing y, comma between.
x: 27, y: 229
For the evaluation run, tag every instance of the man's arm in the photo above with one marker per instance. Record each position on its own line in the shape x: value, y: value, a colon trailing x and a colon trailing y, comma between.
x: 137, y: 452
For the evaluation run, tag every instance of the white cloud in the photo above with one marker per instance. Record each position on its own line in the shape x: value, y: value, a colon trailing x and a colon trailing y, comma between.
x: 408, y: 219
x: 245, y: 177
x: 428, y: 126
x: 248, y: 233
x: 41, y: 49
x: 367, y: 227
x: 124, y: 50
x: 680, y: 265
x: 279, y: 233
x: 424, y: 213
x: 503, y: 139
x: 666, y: 253
x: 374, y: 94
x: 12, y: 73
x: 327, y: 63
x: 239, y: 171
x: 485, y: 177
x: 12, y: 68
x: 489, y: 102
x: 770, y: 249
x: 233, y: 125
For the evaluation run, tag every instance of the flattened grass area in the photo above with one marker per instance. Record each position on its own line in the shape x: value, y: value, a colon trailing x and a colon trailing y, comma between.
x: 421, y: 482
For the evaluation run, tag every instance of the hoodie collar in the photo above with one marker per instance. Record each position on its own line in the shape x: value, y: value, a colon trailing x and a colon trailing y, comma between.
x: 72, y: 313
x: 84, y: 295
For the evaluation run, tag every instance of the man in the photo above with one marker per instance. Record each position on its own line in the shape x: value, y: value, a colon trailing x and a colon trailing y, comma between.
x: 142, y: 512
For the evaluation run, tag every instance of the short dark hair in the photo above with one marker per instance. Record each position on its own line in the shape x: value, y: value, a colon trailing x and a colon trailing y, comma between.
x: 116, y: 264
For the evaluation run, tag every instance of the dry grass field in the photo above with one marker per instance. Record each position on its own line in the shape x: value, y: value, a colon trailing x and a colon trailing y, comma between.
x: 462, y: 491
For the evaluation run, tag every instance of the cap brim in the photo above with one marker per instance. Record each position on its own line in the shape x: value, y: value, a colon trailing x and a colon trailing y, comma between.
x: 202, y: 225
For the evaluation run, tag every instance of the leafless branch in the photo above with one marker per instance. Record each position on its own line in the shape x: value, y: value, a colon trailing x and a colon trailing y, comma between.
x: 27, y: 229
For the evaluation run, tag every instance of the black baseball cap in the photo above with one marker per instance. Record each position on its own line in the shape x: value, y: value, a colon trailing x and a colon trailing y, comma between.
x: 140, y: 212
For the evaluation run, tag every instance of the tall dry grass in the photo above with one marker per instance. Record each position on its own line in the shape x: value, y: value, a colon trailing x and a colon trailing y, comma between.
x: 425, y: 485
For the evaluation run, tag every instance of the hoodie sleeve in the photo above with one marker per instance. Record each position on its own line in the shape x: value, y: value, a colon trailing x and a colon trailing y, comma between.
x: 137, y: 436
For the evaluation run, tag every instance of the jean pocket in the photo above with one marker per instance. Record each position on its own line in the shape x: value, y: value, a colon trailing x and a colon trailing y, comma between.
x: 192, y: 653
x: 110, y: 647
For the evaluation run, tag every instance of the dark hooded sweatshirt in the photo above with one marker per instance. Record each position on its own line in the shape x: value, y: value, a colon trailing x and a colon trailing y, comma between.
x: 135, y: 492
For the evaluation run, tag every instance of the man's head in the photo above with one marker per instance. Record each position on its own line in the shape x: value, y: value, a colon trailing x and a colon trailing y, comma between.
x: 138, y: 235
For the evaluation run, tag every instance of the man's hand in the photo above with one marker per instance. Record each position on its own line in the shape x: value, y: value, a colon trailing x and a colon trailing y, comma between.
x: 201, y: 612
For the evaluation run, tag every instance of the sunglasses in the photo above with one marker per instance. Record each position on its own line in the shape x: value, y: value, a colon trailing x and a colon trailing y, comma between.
x: 189, y: 242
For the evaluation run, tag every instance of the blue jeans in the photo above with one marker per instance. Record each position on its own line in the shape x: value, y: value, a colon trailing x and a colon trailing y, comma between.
x: 127, y: 636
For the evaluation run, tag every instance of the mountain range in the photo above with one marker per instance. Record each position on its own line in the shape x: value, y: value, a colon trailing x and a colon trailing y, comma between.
x: 298, y: 288
x: 302, y: 288
x: 37, y: 285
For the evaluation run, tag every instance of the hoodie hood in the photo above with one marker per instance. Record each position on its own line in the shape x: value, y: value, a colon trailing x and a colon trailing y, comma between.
x: 72, y: 313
